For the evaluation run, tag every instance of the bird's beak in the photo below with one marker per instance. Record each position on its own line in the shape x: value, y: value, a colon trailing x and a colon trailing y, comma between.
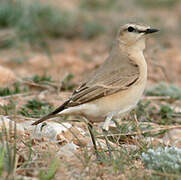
x: 151, y: 30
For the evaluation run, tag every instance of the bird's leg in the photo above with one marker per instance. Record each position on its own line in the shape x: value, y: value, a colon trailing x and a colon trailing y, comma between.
x: 93, y: 141
x: 105, y: 129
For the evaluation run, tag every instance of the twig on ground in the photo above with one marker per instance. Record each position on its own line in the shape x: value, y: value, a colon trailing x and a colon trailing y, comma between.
x: 17, y: 95
x: 46, y: 86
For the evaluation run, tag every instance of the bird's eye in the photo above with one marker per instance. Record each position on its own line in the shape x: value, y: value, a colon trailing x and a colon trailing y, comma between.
x: 131, y: 29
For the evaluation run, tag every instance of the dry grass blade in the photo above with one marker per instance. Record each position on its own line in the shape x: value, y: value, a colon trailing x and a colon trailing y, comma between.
x: 18, y: 95
x: 161, y: 128
x: 168, y: 175
x: 48, y: 85
x: 156, y: 97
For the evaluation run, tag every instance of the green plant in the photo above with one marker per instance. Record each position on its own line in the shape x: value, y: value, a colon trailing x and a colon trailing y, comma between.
x: 2, y: 153
x: 163, y: 89
x: 41, y: 79
x: 41, y: 20
x: 67, y: 84
x: 35, y: 22
x: 8, y: 109
x: 8, y: 151
x: 14, y: 162
x: 143, y: 110
x: 92, y: 29
x: 50, y: 173
x: 35, y: 108
x: 15, y: 89
x: 162, y: 114
x: 166, y: 114
x: 10, y: 13
x: 164, y: 159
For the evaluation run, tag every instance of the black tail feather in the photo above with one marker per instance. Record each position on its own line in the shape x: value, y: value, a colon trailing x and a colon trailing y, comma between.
x: 59, y: 109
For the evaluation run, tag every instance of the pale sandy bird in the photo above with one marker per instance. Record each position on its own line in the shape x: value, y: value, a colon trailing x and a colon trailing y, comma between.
x: 116, y: 86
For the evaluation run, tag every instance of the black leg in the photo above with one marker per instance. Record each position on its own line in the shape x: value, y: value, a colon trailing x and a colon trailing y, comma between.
x: 105, y: 132
x: 93, y: 141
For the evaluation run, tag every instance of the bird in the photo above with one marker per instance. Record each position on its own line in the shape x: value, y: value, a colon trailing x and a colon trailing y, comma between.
x: 115, y: 87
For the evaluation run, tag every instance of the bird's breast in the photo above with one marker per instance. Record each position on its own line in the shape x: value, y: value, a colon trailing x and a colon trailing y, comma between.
x: 123, y: 100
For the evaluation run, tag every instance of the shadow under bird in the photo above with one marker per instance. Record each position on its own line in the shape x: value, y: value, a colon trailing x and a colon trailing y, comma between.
x: 115, y: 87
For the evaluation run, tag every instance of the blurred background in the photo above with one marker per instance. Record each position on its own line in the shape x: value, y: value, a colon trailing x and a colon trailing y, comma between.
x: 74, y: 36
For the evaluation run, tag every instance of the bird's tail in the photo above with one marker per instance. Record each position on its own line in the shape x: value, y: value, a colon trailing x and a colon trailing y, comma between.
x: 52, y: 114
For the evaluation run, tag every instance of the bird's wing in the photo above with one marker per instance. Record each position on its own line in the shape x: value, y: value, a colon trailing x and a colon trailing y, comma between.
x: 118, y: 73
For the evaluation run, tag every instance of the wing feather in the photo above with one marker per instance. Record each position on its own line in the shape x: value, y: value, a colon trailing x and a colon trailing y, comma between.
x: 117, y: 74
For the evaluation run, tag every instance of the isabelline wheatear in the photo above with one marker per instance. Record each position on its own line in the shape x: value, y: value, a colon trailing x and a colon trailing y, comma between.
x: 116, y: 86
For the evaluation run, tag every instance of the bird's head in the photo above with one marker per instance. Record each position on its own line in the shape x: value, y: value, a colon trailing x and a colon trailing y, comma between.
x: 133, y: 34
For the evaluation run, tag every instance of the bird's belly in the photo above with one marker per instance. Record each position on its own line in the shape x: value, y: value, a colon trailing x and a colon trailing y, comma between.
x: 117, y: 103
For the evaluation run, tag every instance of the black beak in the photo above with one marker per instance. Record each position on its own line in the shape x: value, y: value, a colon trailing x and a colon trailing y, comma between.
x: 150, y: 30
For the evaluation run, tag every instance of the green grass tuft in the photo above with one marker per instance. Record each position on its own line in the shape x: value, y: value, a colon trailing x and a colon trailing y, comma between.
x: 67, y: 84
x: 163, y: 114
x: 2, y: 153
x: 50, y: 173
x: 92, y: 29
x: 13, y: 162
x: 35, y: 22
x: 41, y: 79
x: 10, y: 13
x: 35, y: 109
x: 15, y: 89
x: 163, y: 89
x: 8, y: 109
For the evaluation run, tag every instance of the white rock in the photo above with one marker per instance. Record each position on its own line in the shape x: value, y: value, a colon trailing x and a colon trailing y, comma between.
x: 68, y: 150
x: 81, y: 131
x: 27, y: 125
x: 50, y: 130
